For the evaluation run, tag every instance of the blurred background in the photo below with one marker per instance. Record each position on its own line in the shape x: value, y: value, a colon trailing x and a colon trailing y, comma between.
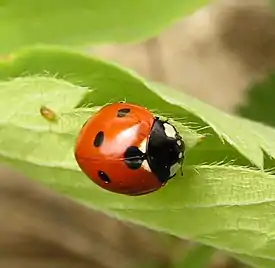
x: 215, y: 55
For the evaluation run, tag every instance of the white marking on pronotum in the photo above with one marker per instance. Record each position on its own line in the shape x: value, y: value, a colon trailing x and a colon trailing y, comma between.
x: 145, y: 165
x: 169, y: 130
x: 180, y: 155
x: 174, y: 169
x: 143, y: 145
x: 142, y: 148
x: 179, y: 142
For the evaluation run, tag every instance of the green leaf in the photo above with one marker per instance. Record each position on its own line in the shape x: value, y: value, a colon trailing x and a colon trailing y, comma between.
x: 29, y: 22
x: 112, y: 83
x: 259, y: 104
x: 27, y: 95
x: 197, y: 257
x: 226, y: 206
x: 256, y: 262
x: 229, y: 128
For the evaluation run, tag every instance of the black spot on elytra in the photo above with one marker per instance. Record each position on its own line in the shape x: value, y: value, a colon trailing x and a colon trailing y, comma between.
x: 133, y: 157
x: 103, y: 176
x: 123, y: 112
x: 99, y: 138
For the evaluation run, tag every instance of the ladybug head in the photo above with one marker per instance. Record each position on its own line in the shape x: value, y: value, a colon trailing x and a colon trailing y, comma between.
x: 165, y: 150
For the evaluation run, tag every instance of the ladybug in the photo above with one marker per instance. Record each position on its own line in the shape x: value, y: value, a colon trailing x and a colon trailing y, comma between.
x: 125, y: 149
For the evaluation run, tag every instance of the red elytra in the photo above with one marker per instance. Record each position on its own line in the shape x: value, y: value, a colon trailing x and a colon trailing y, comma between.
x: 103, y: 141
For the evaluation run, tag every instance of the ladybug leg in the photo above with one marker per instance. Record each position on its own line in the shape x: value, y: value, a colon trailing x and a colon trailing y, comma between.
x: 144, y: 156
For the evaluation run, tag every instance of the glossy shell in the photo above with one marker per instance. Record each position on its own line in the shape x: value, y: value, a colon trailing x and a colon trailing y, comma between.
x: 103, y: 143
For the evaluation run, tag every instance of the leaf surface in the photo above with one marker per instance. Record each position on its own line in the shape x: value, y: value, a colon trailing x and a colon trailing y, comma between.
x: 216, y: 203
x: 68, y: 22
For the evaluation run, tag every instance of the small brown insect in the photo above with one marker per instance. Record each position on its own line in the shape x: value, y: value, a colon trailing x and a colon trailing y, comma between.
x: 48, y: 114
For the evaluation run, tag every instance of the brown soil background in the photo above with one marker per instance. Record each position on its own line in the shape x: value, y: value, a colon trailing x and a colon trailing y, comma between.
x: 213, y: 55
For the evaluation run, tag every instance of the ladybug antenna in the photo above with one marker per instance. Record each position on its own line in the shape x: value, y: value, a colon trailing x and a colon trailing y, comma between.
x: 181, y: 167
